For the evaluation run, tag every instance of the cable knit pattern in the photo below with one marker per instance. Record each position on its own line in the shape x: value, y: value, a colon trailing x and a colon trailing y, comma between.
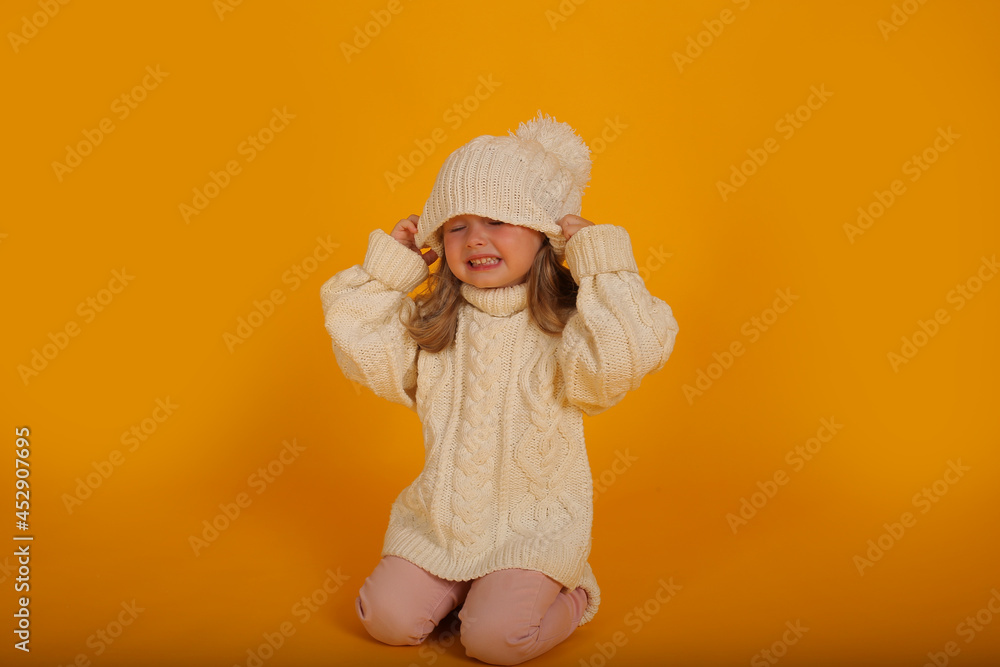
x: 418, y: 494
x: 543, y: 454
x: 476, y: 457
x: 506, y: 480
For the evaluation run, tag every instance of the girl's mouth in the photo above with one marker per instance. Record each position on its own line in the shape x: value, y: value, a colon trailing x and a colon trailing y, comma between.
x: 485, y: 267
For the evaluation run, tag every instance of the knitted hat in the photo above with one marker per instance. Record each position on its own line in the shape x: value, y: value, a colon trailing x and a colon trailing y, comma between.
x: 531, y: 178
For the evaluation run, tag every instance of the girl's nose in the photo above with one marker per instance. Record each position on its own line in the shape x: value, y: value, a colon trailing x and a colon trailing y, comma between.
x: 477, y: 236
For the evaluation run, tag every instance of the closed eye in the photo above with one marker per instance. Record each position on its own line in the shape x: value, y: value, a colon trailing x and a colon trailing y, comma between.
x: 491, y: 222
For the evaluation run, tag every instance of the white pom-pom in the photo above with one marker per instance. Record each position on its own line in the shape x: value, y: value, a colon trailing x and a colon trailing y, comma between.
x: 560, y: 140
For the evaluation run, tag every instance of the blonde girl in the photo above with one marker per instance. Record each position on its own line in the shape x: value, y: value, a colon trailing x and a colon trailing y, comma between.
x: 500, y: 358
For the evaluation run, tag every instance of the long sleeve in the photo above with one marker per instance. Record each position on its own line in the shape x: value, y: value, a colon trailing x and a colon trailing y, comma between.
x: 620, y: 332
x: 361, y: 308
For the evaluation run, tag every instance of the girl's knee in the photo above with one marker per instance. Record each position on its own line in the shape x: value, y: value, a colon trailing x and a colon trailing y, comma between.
x: 389, y: 623
x: 493, y: 635
x: 496, y: 643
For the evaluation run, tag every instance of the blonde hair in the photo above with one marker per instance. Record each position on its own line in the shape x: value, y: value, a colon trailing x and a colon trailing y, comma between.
x: 551, y: 293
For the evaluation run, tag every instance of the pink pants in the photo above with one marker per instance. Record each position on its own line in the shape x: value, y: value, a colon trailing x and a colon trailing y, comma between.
x: 507, y: 616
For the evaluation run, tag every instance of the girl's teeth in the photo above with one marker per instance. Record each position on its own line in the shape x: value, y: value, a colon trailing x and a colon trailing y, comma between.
x: 484, y: 262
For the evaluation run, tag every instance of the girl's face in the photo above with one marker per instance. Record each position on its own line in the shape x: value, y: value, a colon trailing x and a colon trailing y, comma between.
x: 468, y: 236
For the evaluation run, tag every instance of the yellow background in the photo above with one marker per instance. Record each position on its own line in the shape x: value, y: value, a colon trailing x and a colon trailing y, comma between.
x: 678, y: 132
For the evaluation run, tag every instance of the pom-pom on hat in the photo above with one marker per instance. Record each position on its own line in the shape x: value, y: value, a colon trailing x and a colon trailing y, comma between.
x: 531, y: 178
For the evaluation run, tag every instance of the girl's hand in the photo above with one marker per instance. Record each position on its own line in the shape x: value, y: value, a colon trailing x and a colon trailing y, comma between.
x: 405, y: 230
x: 571, y: 224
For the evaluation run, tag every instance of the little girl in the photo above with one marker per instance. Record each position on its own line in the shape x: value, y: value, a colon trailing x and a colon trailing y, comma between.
x: 500, y: 358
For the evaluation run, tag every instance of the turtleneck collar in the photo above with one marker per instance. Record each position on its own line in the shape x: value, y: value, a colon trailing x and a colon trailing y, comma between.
x: 500, y: 301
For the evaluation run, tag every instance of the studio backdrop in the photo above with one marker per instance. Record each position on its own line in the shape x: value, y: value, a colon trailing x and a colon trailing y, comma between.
x: 813, y: 478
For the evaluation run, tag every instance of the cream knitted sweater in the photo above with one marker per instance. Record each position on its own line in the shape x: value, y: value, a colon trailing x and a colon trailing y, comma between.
x: 506, y: 481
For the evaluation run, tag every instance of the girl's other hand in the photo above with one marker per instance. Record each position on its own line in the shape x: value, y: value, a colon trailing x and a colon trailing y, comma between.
x: 571, y: 224
x: 405, y: 230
